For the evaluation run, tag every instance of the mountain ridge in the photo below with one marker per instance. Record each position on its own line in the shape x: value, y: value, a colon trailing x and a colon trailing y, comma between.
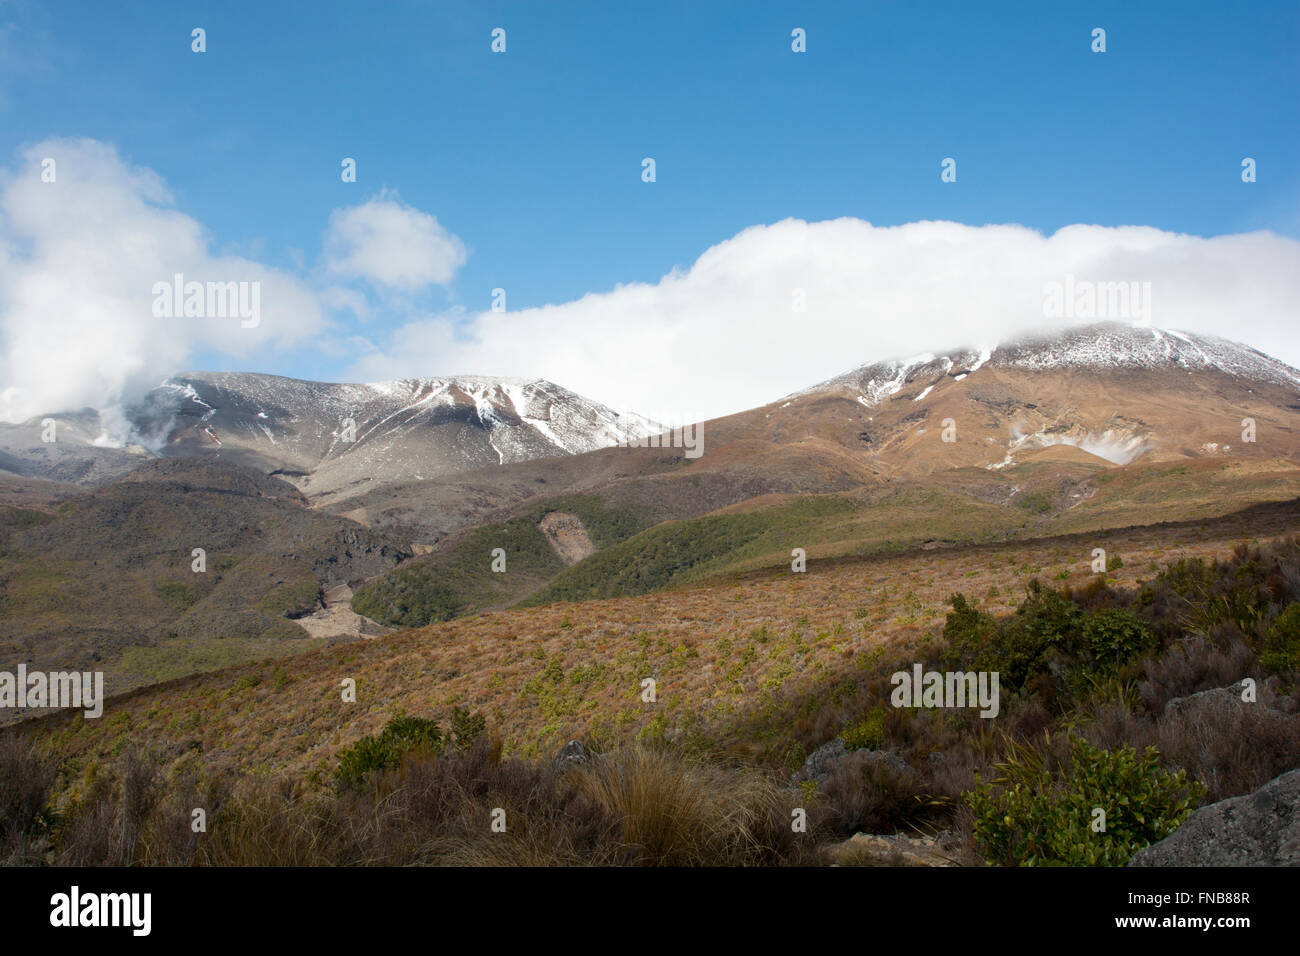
x: 322, y: 436
x: 1110, y: 345
x: 1112, y: 391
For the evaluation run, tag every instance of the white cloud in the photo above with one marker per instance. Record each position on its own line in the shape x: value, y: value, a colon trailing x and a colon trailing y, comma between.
x: 392, y: 245
x: 340, y: 298
x: 78, y: 261
x: 722, y: 336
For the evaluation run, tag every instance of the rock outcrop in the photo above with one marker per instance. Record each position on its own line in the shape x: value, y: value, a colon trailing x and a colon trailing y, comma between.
x: 1258, y: 829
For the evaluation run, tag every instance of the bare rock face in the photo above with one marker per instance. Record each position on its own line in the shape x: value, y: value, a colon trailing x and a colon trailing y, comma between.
x: 1258, y: 829
x: 1206, y: 704
x: 357, y: 554
x: 335, y: 619
x: 567, y: 536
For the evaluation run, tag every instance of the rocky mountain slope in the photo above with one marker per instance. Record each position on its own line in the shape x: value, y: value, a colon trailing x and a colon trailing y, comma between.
x: 1112, y: 391
x: 327, y: 439
x: 1104, y: 394
x: 108, y: 579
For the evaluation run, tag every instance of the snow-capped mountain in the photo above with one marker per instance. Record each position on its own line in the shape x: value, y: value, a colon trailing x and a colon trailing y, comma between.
x: 1115, y: 392
x: 1107, y: 394
x: 326, y: 437
x: 1100, y: 346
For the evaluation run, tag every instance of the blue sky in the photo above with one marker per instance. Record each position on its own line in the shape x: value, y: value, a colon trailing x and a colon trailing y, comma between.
x: 532, y: 158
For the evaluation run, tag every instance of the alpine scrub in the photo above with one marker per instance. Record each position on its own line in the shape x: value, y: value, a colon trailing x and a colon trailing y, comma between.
x: 1108, y: 805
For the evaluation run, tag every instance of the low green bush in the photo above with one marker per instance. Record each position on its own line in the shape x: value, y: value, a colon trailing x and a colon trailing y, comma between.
x: 1115, y: 637
x: 411, y: 596
x: 384, y: 751
x: 466, y: 726
x: 1032, y: 816
x: 1016, y: 647
x: 1281, y: 650
x: 866, y: 733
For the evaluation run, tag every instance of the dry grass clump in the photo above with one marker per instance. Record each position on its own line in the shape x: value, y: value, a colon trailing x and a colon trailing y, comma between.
x: 677, y: 811
x: 631, y: 807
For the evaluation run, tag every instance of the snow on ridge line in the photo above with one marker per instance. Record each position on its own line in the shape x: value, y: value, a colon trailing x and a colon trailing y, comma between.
x: 565, y: 420
x: 1102, y: 345
x: 466, y: 382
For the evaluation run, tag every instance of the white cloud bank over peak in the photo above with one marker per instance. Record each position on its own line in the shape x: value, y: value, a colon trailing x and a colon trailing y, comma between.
x: 392, y: 245
x: 80, y: 258
x: 726, y: 334
x: 79, y: 261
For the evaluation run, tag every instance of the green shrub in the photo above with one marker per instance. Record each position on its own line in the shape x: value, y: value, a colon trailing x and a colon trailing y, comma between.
x: 1115, y: 637
x: 967, y: 630
x: 867, y: 733
x: 553, y: 672
x: 466, y: 726
x: 1035, y: 502
x: 1209, y: 596
x: 1047, y: 616
x: 1031, y: 816
x: 411, y: 596
x: 1282, y: 641
x: 384, y: 751
x: 1016, y: 647
x: 1114, y: 562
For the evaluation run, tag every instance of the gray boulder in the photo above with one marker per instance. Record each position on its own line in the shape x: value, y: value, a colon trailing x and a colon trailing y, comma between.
x: 573, y: 754
x: 1258, y: 829
x: 1220, y: 702
x: 823, y: 762
x: 1206, y: 702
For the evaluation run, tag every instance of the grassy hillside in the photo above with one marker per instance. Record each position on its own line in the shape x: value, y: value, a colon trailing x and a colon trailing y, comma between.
x: 678, y: 552
x: 752, y: 676
x: 546, y: 674
x: 107, y: 578
x: 964, y: 506
x: 458, y: 578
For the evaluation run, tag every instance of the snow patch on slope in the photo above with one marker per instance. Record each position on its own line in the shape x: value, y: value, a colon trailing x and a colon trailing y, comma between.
x: 1115, y: 446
